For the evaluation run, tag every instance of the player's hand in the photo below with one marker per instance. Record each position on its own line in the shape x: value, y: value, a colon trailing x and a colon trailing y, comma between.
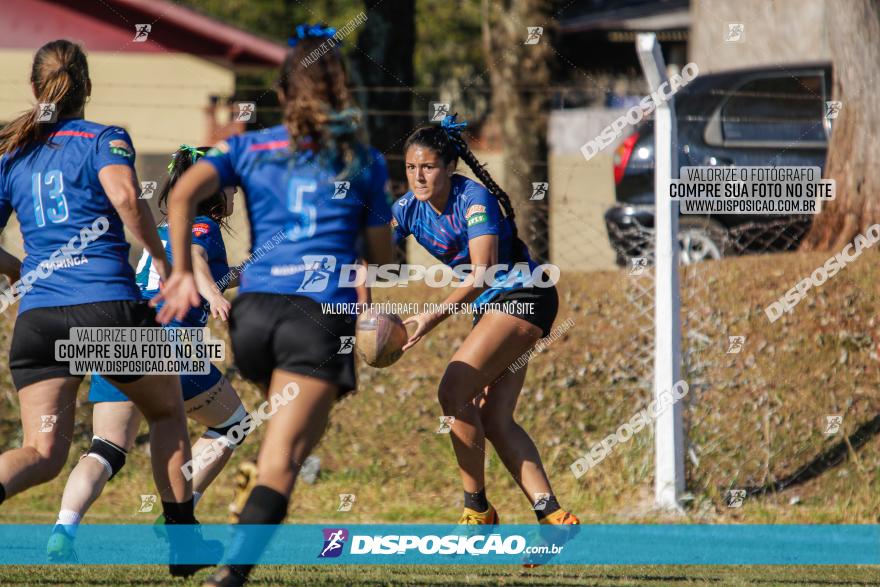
x: 425, y: 322
x: 179, y: 294
x: 220, y: 307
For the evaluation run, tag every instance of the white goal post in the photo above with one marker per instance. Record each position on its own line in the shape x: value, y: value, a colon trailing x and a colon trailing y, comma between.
x: 668, y: 427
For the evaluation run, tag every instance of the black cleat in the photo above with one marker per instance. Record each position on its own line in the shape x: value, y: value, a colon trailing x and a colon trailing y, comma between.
x: 225, y: 576
x: 183, y: 544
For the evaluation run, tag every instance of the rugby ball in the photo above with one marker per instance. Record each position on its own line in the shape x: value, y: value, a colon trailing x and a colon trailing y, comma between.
x: 380, y: 338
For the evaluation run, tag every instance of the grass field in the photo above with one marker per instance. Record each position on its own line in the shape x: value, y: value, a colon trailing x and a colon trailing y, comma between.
x: 276, y: 576
x: 755, y: 419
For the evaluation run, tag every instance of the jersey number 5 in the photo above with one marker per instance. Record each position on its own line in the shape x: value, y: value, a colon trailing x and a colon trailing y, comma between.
x: 57, y: 204
x: 303, y: 221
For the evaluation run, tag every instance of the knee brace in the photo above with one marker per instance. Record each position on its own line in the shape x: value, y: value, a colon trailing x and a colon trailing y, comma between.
x: 222, y: 430
x: 111, y: 455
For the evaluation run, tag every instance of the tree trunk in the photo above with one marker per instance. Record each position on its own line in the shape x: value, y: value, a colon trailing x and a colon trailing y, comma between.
x: 853, y: 152
x: 519, y: 75
x: 384, y: 59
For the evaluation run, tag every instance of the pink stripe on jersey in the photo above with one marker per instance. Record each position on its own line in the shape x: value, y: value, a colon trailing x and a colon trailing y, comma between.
x: 269, y: 146
x: 73, y: 133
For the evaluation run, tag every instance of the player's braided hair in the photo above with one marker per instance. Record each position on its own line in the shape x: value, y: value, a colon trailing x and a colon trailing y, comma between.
x: 181, y: 160
x: 446, y: 141
x: 60, y: 76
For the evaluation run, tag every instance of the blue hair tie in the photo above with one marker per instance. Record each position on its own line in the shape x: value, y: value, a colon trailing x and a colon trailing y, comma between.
x: 453, y: 131
x: 449, y: 125
x: 311, y: 31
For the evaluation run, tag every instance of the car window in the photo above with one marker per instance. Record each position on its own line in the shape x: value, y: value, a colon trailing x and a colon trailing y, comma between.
x: 775, y: 109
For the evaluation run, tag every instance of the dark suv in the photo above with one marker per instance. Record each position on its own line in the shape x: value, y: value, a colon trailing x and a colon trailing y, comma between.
x: 757, y: 116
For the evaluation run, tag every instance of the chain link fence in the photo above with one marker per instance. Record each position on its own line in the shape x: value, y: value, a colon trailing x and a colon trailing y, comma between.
x: 720, y: 471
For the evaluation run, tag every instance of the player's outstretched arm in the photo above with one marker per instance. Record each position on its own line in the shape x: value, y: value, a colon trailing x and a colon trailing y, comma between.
x: 208, y: 289
x: 180, y: 292
x: 484, y: 254
x: 119, y: 183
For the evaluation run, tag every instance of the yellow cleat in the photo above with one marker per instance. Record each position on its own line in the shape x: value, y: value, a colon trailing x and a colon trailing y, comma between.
x: 548, y: 543
x: 561, y: 518
x: 245, y: 481
x: 471, y: 517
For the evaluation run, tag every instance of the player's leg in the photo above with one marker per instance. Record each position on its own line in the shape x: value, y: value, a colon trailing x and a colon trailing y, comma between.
x: 47, y: 417
x: 516, y: 448
x: 115, y: 425
x: 158, y: 397
x: 289, y: 345
x: 291, y: 434
x: 494, y: 343
x: 513, y: 444
x: 160, y: 400
x: 297, y: 426
x: 219, y: 409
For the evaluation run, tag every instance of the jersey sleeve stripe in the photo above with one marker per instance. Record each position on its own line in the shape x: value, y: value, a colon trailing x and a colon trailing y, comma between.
x: 73, y: 133
x: 269, y: 146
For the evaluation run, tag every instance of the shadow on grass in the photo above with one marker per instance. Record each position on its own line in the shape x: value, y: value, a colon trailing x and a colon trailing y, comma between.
x: 830, y: 458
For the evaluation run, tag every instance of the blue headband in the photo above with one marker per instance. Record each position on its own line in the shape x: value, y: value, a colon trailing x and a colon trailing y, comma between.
x: 310, y: 31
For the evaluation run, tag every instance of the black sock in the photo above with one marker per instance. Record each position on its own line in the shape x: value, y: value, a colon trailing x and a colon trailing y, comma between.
x: 476, y: 501
x: 179, y: 513
x: 550, y: 506
x: 2, y: 493
x: 264, y: 506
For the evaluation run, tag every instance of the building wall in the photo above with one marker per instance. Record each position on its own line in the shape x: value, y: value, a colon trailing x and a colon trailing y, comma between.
x: 777, y: 32
x: 158, y: 98
x: 580, y: 191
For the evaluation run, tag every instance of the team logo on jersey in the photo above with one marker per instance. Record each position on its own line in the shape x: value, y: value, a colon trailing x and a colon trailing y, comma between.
x: 477, y: 219
x: 475, y: 209
x: 201, y: 229
x: 318, y: 271
x: 121, y: 148
x: 334, y: 540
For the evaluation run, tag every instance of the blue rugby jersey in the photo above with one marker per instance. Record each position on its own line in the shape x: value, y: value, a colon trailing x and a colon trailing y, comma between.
x: 206, y: 233
x: 305, y: 221
x: 55, y: 192
x: 471, y: 211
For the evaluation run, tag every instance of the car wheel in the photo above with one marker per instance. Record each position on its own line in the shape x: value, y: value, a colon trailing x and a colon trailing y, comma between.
x: 700, y: 239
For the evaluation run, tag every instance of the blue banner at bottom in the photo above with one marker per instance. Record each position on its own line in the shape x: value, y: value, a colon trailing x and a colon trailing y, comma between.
x: 628, y: 544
